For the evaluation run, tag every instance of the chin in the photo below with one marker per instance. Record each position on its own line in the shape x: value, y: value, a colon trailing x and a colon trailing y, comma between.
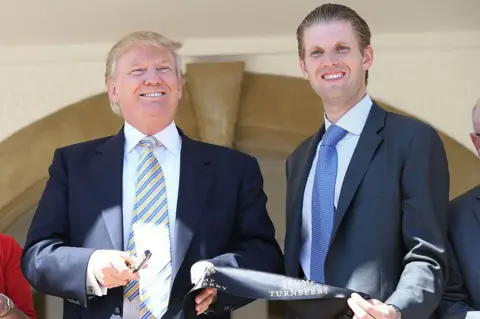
x: 155, y: 107
x: 331, y: 93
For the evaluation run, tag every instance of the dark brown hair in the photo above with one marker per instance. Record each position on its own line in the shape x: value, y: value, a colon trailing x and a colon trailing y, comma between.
x: 331, y: 12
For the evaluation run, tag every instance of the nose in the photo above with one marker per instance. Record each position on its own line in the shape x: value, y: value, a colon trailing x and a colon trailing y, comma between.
x: 153, y: 77
x: 329, y: 59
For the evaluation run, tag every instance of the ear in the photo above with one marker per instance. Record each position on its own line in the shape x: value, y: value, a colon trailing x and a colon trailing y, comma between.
x: 302, y: 65
x: 473, y: 138
x: 112, y: 90
x: 475, y: 141
x: 367, y: 57
x: 180, y: 87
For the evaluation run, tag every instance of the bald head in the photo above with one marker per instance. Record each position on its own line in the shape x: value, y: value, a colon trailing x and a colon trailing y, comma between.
x: 476, y: 117
x: 475, y: 136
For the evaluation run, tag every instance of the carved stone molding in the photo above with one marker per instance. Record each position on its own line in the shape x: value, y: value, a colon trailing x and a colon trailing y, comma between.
x: 222, y: 104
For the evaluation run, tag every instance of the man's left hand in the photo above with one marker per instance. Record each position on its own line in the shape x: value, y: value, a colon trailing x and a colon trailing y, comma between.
x: 370, y: 309
x: 204, y: 299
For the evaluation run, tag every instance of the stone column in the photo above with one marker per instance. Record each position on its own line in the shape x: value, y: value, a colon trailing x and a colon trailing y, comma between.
x: 215, y: 91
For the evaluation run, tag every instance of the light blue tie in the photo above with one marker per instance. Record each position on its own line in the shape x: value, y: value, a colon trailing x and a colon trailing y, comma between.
x: 323, y: 196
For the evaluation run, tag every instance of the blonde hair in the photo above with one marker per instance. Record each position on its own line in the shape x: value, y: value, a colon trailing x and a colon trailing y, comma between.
x: 136, y: 38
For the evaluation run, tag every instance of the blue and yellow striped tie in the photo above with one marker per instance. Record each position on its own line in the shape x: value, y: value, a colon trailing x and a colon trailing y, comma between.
x: 151, y: 208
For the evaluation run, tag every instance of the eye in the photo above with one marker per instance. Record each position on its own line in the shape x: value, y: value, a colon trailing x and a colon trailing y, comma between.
x: 316, y: 52
x: 342, y: 48
x: 164, y: 69
x: 137, y: 71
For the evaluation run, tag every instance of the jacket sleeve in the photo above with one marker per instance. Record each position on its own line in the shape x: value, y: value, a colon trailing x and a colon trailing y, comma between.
x: 425, y: 199
x: 49, y: 263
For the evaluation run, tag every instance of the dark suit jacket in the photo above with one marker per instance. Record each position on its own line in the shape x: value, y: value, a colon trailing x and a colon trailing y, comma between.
x: 462, y: 295
x: 221, y: 216
x: 388, y: 238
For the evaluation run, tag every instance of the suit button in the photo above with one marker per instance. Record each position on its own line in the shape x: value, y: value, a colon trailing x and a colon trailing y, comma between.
x: 116, y: 311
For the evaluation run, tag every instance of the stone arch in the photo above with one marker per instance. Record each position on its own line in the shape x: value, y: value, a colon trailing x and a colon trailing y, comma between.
x: 257, y: 113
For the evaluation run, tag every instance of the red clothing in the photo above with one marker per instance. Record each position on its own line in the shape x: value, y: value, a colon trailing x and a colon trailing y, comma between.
x: 12, y: 282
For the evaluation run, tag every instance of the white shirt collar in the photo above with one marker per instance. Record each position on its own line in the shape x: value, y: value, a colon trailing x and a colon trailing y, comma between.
x: 354, y: 120
x: 169, y: 137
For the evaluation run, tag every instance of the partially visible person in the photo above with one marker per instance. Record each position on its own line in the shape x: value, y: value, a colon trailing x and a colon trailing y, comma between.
x: 475, y: 136
x: 16, y: 300
x: 462, y: 295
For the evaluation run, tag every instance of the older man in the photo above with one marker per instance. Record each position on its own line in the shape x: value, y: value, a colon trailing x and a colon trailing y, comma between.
x: 152, y: 188
x: 462, y: 296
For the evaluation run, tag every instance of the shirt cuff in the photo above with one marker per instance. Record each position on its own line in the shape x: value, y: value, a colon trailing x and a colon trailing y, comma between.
x: 94, y: 286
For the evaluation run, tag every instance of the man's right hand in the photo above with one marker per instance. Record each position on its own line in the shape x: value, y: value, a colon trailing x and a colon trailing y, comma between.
x: 111, y: 268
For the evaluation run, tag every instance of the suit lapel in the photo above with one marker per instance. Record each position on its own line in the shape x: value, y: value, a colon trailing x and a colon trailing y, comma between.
x: 299, y: 176
x: 195, y: 181
x: 476, y: 207
x: 362, y: 156
x: 107, y: 182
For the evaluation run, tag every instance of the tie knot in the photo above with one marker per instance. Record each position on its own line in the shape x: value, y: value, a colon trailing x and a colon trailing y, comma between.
x: 333, y: 135
x: 149, y: 142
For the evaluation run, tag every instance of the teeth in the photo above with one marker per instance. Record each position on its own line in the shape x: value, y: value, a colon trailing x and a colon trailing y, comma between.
x: 153, y: 94
x: 333, y: 76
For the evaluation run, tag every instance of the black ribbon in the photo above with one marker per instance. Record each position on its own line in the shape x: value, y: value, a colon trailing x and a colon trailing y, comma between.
x: 307, y: 299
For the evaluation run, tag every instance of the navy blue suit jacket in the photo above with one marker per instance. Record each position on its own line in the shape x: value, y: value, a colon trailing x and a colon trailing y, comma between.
x: 390, y: 223
x: 221, y: 217
x: 461, y: 298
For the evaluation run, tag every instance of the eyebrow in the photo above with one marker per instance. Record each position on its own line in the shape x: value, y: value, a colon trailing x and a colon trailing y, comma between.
x: 163, y: 60
x: 160, y: 61
x: 340, y: 43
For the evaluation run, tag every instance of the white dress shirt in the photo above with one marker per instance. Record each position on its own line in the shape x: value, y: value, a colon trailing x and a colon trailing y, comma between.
x: 168, y: 155
x: 353, y: 122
